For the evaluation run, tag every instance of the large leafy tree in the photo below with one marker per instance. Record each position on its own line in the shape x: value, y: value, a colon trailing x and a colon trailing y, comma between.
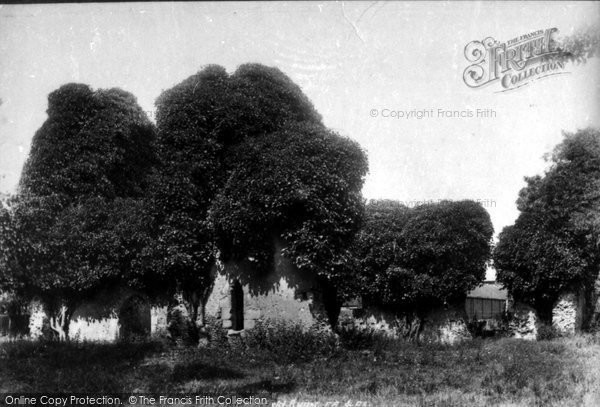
x: 192, y: 122
x: 553, y: 245
x: 248, y: 161
x: 78, y: 221
x: 411, y: 260
x: 300, y: 185
x: 94, y: 143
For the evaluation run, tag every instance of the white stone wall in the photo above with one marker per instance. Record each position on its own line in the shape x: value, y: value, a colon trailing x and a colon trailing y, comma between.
x: 447, y: 324
x: 158, y: 320
x: 567, y: 317
x: 525, y: 322
x: 218, y: 304
x: 282, y: 303
x: 453, y: 331
x: 442, y: 325
x: 372, y: 318
x: 98, y: 318
x: 282, y: 294
x: 91, y: 329
x: 36, y: 319
x: 567, y: 313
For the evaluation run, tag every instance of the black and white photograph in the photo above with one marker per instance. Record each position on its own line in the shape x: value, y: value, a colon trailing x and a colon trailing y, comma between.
x: 300, y: 204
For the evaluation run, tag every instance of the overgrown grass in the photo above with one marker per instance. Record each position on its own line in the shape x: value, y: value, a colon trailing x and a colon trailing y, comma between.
x: 305, y: 365
x: 288, y: 343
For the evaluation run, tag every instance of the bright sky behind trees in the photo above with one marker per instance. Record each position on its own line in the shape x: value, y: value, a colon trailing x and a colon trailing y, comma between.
x: 348, y: 58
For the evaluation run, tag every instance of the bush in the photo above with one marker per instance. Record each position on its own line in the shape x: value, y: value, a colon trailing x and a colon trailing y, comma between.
x: 547, y: 333
x: 289, y: 342
x: 215, y: 333
x: 356, y: 338
x: 476, y: 328
x: 180, y: 328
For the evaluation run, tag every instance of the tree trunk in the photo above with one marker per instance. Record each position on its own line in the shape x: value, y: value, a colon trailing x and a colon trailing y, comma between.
x: 192, y: 302
x: 414, y: 327
x: 60, y: 320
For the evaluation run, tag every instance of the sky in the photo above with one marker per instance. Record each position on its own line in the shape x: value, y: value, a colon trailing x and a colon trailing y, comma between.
x: 356, y: 61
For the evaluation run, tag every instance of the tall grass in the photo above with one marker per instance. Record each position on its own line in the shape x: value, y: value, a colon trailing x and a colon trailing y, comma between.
x: 293, y: 363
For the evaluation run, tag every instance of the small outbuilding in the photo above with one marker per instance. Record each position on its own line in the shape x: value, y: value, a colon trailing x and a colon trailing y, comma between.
x: 486, y: 302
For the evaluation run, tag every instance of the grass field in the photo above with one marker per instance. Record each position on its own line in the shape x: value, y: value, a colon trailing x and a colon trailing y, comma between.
x: 502, y: 372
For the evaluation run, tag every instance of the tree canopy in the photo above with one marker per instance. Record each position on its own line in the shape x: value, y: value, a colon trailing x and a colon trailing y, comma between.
x: 246, y: 159
x: 236, y: 162
x: 301, y: 184
x: 411, y: 260
x: 553, y: 245
x: 94, y: 143
x: 76, y: 223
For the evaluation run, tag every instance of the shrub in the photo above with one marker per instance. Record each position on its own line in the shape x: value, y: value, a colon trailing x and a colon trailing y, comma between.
x: 180, y: 328
x: 476, y: 328
x: 289, y: 342
x: 356, y: 338
x: 547, y: 333
x: 215, y: 333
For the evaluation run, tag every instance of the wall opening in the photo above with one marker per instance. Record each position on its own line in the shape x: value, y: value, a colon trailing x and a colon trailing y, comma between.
x: 237, y: 306
x: 134, y: 319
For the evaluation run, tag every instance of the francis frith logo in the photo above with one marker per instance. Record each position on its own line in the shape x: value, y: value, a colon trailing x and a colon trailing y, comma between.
x: 514, y: 63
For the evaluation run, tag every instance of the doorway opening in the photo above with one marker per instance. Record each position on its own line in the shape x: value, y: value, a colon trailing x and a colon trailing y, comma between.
x: 237, y: 306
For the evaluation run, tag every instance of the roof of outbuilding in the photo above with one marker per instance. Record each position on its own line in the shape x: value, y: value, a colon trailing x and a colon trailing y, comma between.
x: 489, y: 290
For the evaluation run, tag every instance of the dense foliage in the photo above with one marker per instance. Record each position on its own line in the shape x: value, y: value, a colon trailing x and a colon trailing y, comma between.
x: 94, y: 143
x: 579, y: 46
x: 300, y: 184
x: 78, y: 221
x: 241, y: 163
x: 189, y: 173
x: 247, y: 161
x: 411, y: 260
x: 553, y: 245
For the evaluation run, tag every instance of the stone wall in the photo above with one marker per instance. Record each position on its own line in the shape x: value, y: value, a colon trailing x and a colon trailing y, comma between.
x: 105, y: 328
x: 567, y: 313
x: 282, y: 293
x: 37, y: 316
x: 567, y: 316
x: 98, y: 319
x: 158, y: 320
x: 372, y: 318
x: 446, y: 324
x: 524, y: 323
x: 442, y: 325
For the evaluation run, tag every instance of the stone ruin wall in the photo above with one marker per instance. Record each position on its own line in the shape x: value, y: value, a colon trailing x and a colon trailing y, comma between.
x: 282, y: 294
x: 449, y: 325
x: 568, y: 315
x: 282, y: 303
x: 524, y: 323
x: 97, y: 319
x: 443, y: 325
x: 289, y: 297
